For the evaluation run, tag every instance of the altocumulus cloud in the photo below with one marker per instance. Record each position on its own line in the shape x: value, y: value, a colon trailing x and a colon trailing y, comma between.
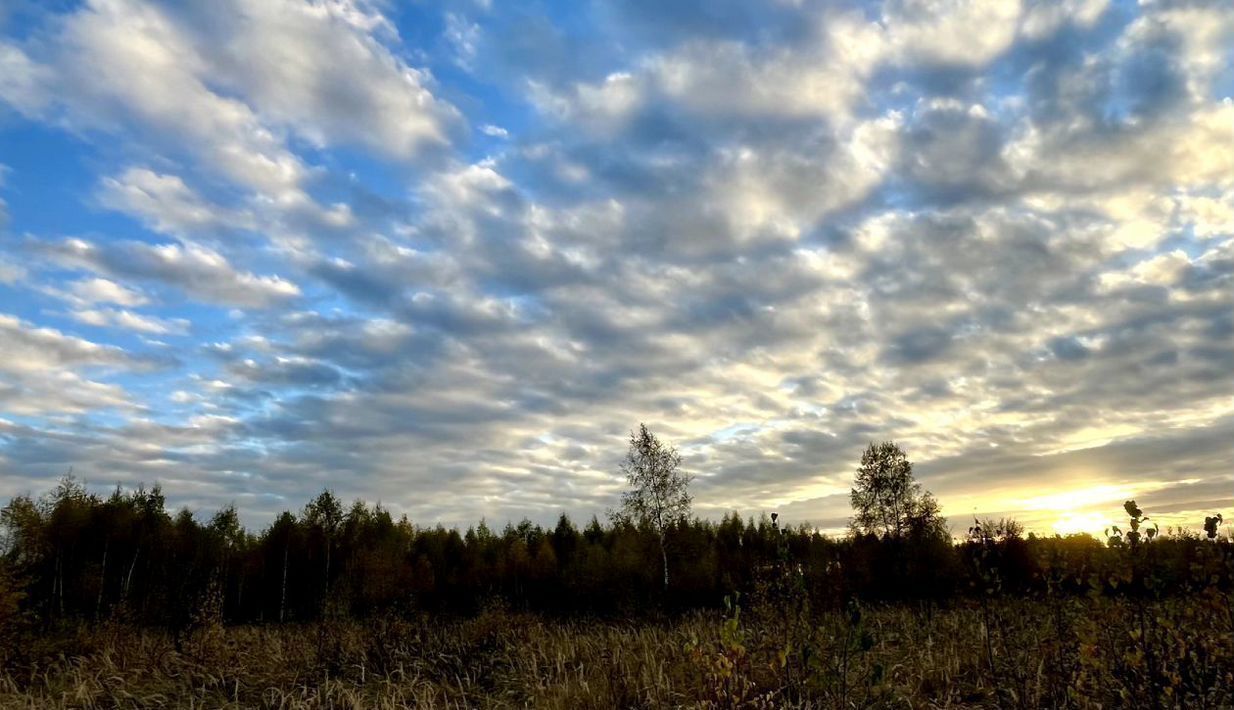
x: 255, y: 248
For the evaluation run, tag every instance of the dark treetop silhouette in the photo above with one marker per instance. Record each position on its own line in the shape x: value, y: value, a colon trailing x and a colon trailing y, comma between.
x: 74, y: 554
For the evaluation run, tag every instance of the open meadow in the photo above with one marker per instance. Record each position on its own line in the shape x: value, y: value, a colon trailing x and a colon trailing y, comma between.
x: 114, y: 603
x: 1085, y: 652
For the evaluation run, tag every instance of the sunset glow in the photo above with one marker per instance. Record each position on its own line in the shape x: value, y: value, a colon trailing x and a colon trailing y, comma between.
x: 1072, y: 523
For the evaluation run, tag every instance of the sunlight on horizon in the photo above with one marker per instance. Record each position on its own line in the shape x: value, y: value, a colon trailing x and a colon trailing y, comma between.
x: 1074, y: 523
x: 1110, y: 494
x: 1089, y: 509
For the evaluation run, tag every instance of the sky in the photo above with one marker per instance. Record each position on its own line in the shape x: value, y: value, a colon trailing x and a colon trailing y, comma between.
x: 446, y: 255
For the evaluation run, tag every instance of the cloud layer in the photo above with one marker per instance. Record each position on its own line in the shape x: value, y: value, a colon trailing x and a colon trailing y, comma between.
x: 447, y: 257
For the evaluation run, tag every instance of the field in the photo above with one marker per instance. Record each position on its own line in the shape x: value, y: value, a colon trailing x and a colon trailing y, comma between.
x: 112, y: 603
x: 1064, y: 652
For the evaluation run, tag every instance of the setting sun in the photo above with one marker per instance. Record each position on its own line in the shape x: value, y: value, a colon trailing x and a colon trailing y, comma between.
x: 1072, y: 523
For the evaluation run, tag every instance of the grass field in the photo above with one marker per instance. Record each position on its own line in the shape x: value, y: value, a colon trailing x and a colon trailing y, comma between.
x: 1076, y: 652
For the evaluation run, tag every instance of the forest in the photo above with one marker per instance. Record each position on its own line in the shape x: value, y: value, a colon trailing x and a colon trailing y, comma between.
x: 80, y: 570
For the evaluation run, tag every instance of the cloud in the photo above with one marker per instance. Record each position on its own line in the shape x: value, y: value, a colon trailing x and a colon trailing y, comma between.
x: 194, y: 269
x: 227, y: 88
x: 774, y: 233
x: 4, y: 206
x: 94, y: 290
x: 463, y: 36
x: 164, y: 202
x: 1041, y: 20
x: 41, y: 371
x: 11, y: 273
x: 953, y: 151
x: 822, y: 68
x: 319, y: 69
x: 128, y: 320
x: 297, y: 371
x: 31, y: 349
x: 97, y: 57
x: 724, y: 78
x: 940, y: 31
x: 23, y: 82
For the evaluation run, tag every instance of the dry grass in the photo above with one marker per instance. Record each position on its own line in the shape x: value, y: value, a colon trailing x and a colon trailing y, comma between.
x: 1072, y: 653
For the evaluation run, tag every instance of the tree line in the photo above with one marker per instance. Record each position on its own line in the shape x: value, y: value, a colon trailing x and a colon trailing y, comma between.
x: 75, y: 555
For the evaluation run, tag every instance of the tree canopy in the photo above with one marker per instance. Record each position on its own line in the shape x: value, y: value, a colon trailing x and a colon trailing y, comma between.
x: 659, y: 495
x: 888, y: 501
x: 76, y: 555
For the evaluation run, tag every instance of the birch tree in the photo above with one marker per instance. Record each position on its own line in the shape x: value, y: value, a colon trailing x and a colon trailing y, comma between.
x: 887, y: 500
x: 659, y: 494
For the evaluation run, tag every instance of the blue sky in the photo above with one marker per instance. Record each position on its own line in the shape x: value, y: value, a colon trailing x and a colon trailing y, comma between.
x: 446, y: 255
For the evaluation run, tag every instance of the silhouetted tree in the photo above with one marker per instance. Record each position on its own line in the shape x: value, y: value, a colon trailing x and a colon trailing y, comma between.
x: 659, y: 495
x: 324, y: 517
x: 72, y: 555
x: 887, y: 501
x: 1211, y: 524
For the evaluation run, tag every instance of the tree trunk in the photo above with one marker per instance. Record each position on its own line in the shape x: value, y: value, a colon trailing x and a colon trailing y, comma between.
x: 222, y: 576
x: 326, y: 597
x: 283, y: 596
x: 128, y: 579
x: 98, y: 602
x: 59, y: 582
x: 664, y: 559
